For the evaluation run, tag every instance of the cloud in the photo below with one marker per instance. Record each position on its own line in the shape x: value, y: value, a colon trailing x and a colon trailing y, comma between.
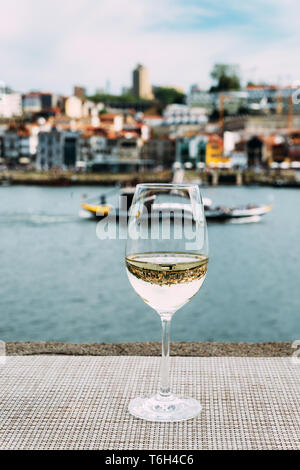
x: 52, y: 45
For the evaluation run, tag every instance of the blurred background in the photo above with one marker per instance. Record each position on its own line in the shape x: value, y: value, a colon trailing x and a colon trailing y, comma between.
x: 97, y: 96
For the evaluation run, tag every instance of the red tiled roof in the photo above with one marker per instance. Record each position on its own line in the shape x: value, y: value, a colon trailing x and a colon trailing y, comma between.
x: 294, y: 131
x: 214, y: 138
x: 23, y: 133
x: 270, y: 139
x: 152, y: 116
x: 258, y: 87
x: 38, y: 93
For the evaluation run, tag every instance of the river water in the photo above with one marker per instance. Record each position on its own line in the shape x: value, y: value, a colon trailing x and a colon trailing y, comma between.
x: 60, y: 282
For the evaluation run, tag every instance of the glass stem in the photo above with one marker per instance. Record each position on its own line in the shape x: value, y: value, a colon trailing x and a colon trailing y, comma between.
x: 165, y: 354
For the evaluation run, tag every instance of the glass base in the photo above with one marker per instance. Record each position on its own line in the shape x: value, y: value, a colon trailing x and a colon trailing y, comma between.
x: 158, y: 408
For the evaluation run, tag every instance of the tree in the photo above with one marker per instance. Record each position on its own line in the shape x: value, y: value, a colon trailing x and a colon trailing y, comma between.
x: 226, y: 78
x: 168, y: 95
x: 115, y: 100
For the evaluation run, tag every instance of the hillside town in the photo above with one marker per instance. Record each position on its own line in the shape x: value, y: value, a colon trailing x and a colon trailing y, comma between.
x: 151, y: 128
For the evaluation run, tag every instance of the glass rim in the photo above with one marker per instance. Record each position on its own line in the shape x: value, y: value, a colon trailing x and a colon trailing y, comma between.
x: 167, y: 185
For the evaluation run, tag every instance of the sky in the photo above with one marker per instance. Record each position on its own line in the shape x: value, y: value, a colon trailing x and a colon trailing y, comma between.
x: 51, y: 46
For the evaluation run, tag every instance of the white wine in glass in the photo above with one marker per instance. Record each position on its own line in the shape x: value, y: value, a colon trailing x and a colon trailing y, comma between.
x: 166, y: 262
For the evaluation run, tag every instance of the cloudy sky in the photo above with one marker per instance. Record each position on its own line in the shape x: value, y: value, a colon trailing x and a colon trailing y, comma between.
x: 51, y: 45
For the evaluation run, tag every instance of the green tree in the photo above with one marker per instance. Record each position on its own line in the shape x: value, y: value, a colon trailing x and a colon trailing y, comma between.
x: 122, y: 101
x: 168, y: 95
x: 226, y: 77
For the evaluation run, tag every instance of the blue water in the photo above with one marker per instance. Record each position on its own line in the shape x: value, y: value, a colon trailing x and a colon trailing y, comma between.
x: 60, y: 282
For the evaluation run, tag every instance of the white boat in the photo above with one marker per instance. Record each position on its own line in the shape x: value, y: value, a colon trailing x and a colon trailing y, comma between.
x: 243, y: 212
x: 250, y: 210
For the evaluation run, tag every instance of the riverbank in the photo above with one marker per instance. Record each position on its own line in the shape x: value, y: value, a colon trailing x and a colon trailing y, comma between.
x: 211, y: 177
x: 69, y: 178
x: 152, y: 348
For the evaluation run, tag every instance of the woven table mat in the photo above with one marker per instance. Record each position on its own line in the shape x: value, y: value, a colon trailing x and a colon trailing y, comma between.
x: 70, y: 402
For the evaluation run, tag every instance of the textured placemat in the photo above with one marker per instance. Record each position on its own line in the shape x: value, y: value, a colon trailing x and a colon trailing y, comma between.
x: 58, y: 402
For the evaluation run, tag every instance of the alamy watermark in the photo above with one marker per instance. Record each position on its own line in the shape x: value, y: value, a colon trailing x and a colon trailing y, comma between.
x: 163, y: 221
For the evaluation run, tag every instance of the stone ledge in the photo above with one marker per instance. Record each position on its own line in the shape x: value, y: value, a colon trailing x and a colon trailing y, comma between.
x: 194, y: 348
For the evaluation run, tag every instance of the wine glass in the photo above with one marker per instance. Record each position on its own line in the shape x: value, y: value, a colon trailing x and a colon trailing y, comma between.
x: 166, y: 263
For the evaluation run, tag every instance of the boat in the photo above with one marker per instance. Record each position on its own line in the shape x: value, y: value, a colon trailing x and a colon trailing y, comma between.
x: 223, y: 214
x: 281, y: 183
x: 102, y: 209
x: 213, y: 214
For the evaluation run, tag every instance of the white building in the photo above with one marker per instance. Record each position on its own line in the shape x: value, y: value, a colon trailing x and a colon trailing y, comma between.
x: 128, y: 148
x: 238, y: 158
x: 89, y: 108
x: 73, y: 107
x: 10, y: 104
x: 92, y: 148
x: 183, y: 114
x: 200, y: 99
x: 153, y: 120
x: 33, y: 138
x: 112, y: 121
x: 230, y: 139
